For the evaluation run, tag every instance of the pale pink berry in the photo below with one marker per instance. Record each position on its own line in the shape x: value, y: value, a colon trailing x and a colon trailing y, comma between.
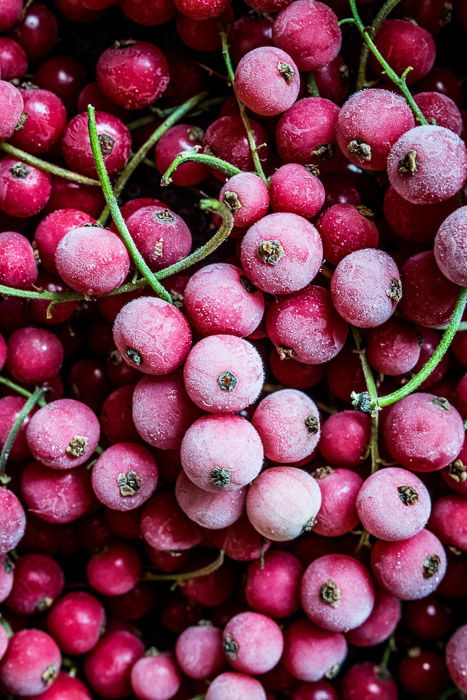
x: 339, y: 489
x: 310, y: 652
x: 213, y: 511
x: 253, y: 643
x: 456, y: 658
x: 451, y: 247
x: 247, y: 197
x: 235, y: 686
x: 381, y: 622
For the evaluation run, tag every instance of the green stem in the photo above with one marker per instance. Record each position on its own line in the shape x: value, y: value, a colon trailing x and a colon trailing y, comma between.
x: 187, y: 575
x: 375, y: 25
x: 15, y: 428
x: 435, y: 359
x: 371, y: 400
x: 244, y: 116
x: 204, y: 159
x: 47, y: 167
x: 116, y: 213
x: 392, y: 75
x: 388, y: 650
x: 44, y: 295
x: 311, y: 86
x: 18, y: 389
x: 174, y: 116
x: 462, y: 327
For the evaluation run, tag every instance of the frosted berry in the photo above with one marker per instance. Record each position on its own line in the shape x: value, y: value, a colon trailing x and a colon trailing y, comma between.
x: 225, y: 138
x: 10, y: 406
x: 44, y: 121
x: 345, y: 228
x: 52, y: 229
x: 415, y: 222
x: 456, y: 655
x: 447, y: 520
x: 393, y: 348
x: 38, y: 581
x: 212, y: 511
x: 18, y: 266
x: 31, y: 663
x: 10, y: 14
x: 235, y: 686
x: 310, y: 652
x: 156, y: 676
x: 297, y: 189
x: 247, y: 197
x: 253, y: 642
x: 24, y: 190
x: 381, y: 622
x: 451, y: 247
x: 11, y: 109
x: 34, y: 355
x: 339, y: 488
x: 441, y: 110
x: 108, y: 666
x: 164, y: 525
x: 177, y: 139
x: 344, y: 438
x: 199, y: 651
x: 429, y: 297
x: 12, y: 520
x: 114, y: 570
x: 162, y: 237
x: 273, y: 588
x: 403, y: 43
x: 293, y: 374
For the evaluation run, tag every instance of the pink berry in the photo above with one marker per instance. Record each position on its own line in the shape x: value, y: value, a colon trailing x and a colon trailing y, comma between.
x: 116, y: 418
x: 225, y: 138
x: 76, y: 622
x: 337, y: 592
x: 38, y: 581
x: 65, y: 686
x: 293, y: 374
x: 415, y: 222
x: 281, y: 253
x: 63, y: 434
x: 345, y: 228
x: 108, y: 666
x: 423, y: 432
x: 223, y: 374
x: 114, y: 140
x: 219, y: 298
x: 124, y: 476
x: 10, y: 406
x: 52, y: 229
x: 10, y: 13
x: 37, y: 31
x: 309, y: 32
x: 24, y: 190
x: 212, y: 511
x: 164, y: 525
x: 409, y: 569
x: 393, y: 504
x: 380, y: 624
x: 34, y: 355
x: 451, y: 247
x: 177, y: 139
x: 199, y: 651
x: 66, y: 193
x: 11, y: 109
x: 250, y: 31
x: 221, y: 452
x: 366, y: 287
x: 132, y: 74
x: 344, y: 438
x: 456, y: 655
x: 156, y: 677
x: 288, y: 424
x: 283, y: 502
x: 152, y: 335
x: 6, y: 583
x: 295, y: 188
x: 279, y: 85
x: 367, y: 680
x: 247, y: 197
x: 44, y: 123
x: 393, y: 348
x: 114, y: 570
x: 339, y: 488
x: 427, y: 164
x: 441, y: 110
x: 3, y: 352
x: 428, y: 297
x: 162, y: 237
x: 447, y: 520
x: 253, y: 642
x: 56, y: 496
x: 305, y: 326
x: 31, y: 663
x: 310, y: 652
x: 235, y: 686
x: 403, y: 43
x: 273, y: 588
x: 18, y: 266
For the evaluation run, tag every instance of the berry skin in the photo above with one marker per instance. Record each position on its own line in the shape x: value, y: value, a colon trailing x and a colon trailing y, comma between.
x: 44, y: 124
x: 115, y: 417
x: 278, y: 87
x: 221, y: 453
x: 235, y: 686
x: 409, y: 569
x: 212, y: 511
x: 247, y: 197
x: 76, y: 622
x: 11, y: 109
x: 115, y: 570
x: 18, y: 266
x: 415, y: 222
x: 166, y: 429
x: 38, y: 581
x: 152, y: 335
x: 293, y: 374
x: 6, y: 584
x: 162, y: 237
x: 24, y: 190
x: 310, y: 652
x: 253, y: 643
x: 288, y: 424
x: 293, y: 188
x: 225, y: 138
x: 429, y: 618
x: 423, y: 432
x: 345, y: 228
x: 132, y: 74
x: 13, y: 59
x: 34, y: 355
x: 369, y: 123
x: 273, y: 589
x: 10, y: 406
x: 149, y: 14
x: 56, y: 496
x: 380, y: 624
x: 249, y: 32
x: 283, y: 502
x: 427, y: 164
x: 393, y: 504
x: 403, y: 43
x: 441, y: 110
x: 156, y: 677
x: 339, y: 488
x: 456, y: 655
x: 448, y: 520
x: 92, y: 260
x: 52, y: 229
x: 31, y: 663
x: 219, y: 298
x: 124, y: 476
x: 366, y: 287
x: 12, y: 520
x: 114, y: 140
x: 177, y: 139
x: 63, y: 434
x: 393, y: 348
x: 65, y: 686
x: 366, y: 681
x: 108, y: 666
x: 165, y: 527
x: 199, y: 651
x: 429, y: 297
x: 281, y: 253
x: 201, y: 9
x: 10, y: 13
x: 451, y: 247
x: 223, y: 374
x: 309, y: 32
x: 337, y: 592
x: 423, y: 672
x: 306, y: 327
x: 344, y: 438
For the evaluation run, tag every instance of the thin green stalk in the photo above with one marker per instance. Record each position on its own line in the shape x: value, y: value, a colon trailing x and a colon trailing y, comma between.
x: 435, y: 359
x: 462, y: 327
x: 187, y: 575
x: 388, y: 650
x: 116, y: 213
x: 244, y: 116
x: 44, y: 295
x: 193, y: 156
x: 385, y: 10
x: 15, y: 428
x: 370, y: 400
x: 18, y: 389
x: 392, y: 75
x: 141, y: 153
x: 47, y: 167
x: 311, y: 85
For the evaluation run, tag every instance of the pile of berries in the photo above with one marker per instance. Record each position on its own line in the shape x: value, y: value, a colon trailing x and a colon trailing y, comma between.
x: 233, y: 280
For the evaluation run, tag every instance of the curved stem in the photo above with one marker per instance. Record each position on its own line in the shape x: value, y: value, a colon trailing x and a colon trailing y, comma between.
x: 244, y: 116
x: 116, y: 213
x: 174, y: 116
x: 204, y: 158
x: 44, y: 295
x: 371, y: 400
x: 435, y: 359
x: 187, y: 575
x: 392, y: 75
x: 47, y: 167
x: 15, y: 428
x: 385, y: 10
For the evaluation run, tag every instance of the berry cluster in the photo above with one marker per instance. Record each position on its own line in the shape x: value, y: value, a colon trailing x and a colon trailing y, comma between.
x: 242, y: 477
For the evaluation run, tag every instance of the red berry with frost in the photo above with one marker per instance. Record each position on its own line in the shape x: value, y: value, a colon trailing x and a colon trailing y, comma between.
x: 24, y: 190
x: 34, y: 355
x: 235, y: 686
x: 65, y: 686
x: 247, y: 197
x: 152, y: 335
x: 226, y: 138
x: 156, y: 676
x: 66, y: 194
x: 177, y: 139
x: 114, y: 570
x: 403, y: 43
x: 448, y: 519
x: 12, y: 107
x: 10, y: 406
x: 272, y: 588
x: 393, y: 348
x: 279, y: 85
x: 367, y: 681
x: 219, y: 298
x: 427, y: 164
x: 296, y: 188
x: 162, y: 237
x: 114, y: 140
x: 41, y: 312
x: 108, y: 666
x: 423, y: 432
x: 56, y: 496
x: 6, y: 583
x: 18, y: 266
x: 344, y: 438
x: 38, y: 581
x: 201, y: 9
x: 429, y: 297
x: 221, y: 452
x: 63, y: 434
x: 52, y: 229
x: 199, y: 651
x: 441, y: 110
x: 345, y: 228
x: 212, y: 511
x: 310, y: 652
x: 339, y: 488
x: 283, y: 502
x: 164, y: 525
x: 451, y: 247
x: 31, y: 663
x: 12, y: 520
x: 381, y: 622
x: 456, y: 655
x: 44, y: 121
x: 253, y: 643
